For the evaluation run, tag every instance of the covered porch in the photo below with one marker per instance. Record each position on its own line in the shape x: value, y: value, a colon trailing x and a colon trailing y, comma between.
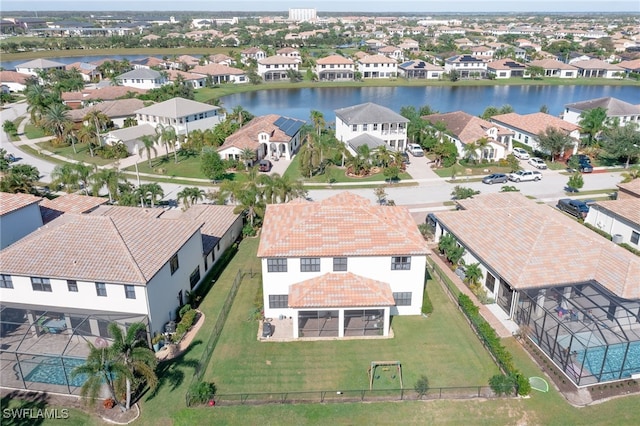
x: 340, y: 305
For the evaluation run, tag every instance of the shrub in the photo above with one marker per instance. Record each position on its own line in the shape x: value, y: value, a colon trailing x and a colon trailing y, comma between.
x: 523, y: 387
x: 188, y: 318
x: 201, y: 392
x: 248, y: 230
x: 501, y: 384
x: 422, y: 386
x: 184, y: 310
x: 427, y: 306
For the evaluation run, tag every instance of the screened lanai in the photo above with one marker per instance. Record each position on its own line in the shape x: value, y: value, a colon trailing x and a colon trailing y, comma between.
x: 40, y: 348
x: 590, y: 333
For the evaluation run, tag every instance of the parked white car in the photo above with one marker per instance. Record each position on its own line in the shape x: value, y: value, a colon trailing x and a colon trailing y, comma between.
x: 520, y: 153
x: 525, y: 175
x: 538, y: 163
x: 415, y: 150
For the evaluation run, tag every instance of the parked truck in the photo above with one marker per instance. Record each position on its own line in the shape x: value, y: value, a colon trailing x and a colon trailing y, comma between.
x: 525, y: 175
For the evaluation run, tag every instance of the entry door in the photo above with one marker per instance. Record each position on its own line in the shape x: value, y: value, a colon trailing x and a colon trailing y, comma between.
x: 505, y: 295
x: 180, y: 298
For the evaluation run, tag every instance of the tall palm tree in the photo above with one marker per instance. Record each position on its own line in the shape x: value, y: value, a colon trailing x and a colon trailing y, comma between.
x: 166, y: 136
x: 149, y: 146
x: 109, y: 178
x: 592, y: 122
x: 318, y: 121
x: 67, y: 176
x: 98, y: 120
x: 382, y: 156
x: 231, y: 190
x: 240, y: 115
x: 470, y: 150
x: 102, y: 366
x: 56, y: 118
x: 38, y: 99
x: 250, y: 200
x: 86, y: 134
x: 152, y: 192
x: 482, y: 144
x: 84, y: 172
x: 132, y: 350
x: 247, y: 156
x: 190, y: 196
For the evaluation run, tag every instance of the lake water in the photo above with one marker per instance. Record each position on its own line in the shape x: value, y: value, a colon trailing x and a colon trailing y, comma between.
x: 297, y: 103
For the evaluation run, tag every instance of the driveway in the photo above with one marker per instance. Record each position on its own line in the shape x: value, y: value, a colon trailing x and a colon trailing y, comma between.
x: 420, y: 169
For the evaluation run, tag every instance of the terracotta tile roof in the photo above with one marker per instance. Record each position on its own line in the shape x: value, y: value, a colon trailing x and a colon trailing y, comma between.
x: 217, y: 221
x: 286, y: 50
x: 13, y: 77
x: 340, y: 290
x: 534, y: 123
x: 176, y: 108
x: 342, y: 225
x: 98, y: 248
x: 13, y: 202
x: 632, y: 187
x: 466, y: 127
x: 377, y: 59
x: 251, y: 51
x: 173, y: 75
x: 630, y: 65
x: 506, y: 64
x: 596, y: 64
x: 216, y: 69
x: 334, y: 59
x: 277, y: 60
x: 220, y: 57
x: 108, y: 93
x: 121, y: 212
x: 552, y: 64
x: 494, y: 201
x: 628, y: 208
x: 247, y: 135
x: 534, y: 245
x: 69, y: 203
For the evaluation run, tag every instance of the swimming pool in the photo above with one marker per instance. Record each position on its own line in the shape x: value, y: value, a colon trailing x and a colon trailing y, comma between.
x: 593, y: 360
x: 50, y: 371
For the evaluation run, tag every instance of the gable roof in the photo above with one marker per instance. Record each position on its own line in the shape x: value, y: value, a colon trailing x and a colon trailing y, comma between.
x: 632, y: 187
x: 552, y: 64
x: 597, y: 64
x: 133, y: 132
x: 615, y: 107
x: 376, y: 59
x: 141, y: 73
x: 627, y: 208
x: 12, y: 202
x: 280, y: 129
x: 176, y: 108
x: 68, y: 203
x: 529, y: 255
x: 277, y: 59
x: 340, y: 290
x: 342, y: 225
x: 534, y: 123
x: 334, y: 59
x: 369, y: 113
x: 98, y: 248
x: 112, y: 109
x: 216, y: 69
x: 41, y: 64
x: 366, y: 139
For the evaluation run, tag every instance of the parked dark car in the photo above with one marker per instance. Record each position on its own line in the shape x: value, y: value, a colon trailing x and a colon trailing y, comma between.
x: 583, y: 161
x: 575, y: 208
x: 405, y: 158
x: 264, y: 165
x: 495, y: 178
x: 431, y: 221
x: 267, y: 329
x: 585, y: 167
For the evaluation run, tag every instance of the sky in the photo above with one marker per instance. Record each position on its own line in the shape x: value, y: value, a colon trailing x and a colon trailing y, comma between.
x: 400, y: 6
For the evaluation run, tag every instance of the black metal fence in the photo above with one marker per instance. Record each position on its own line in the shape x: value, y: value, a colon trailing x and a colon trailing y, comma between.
x: 361, y: 395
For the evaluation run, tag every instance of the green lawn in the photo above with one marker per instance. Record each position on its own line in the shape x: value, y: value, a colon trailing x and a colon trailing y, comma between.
x: 34, y: 132
x: 462, y: 171
x: 187, y: 167
x: 83, y: 154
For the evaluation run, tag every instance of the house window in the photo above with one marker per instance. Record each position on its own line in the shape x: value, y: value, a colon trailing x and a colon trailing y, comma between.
x: 311, y: 264
x: 339, y: 264
x: 129, y: 292
x: 375, y: 126
x: 402, y: 298
x: 72, y: 286
x: 5, y: 281
x: 278, y: 301
x: 490, y: 282
x: 174, y: 263
x: 635, y: 237
x: 41, y: 284
x: 194, y: 278
x: 401, y: 263
x: 364, y: 127
x: 354, y: 128
x: 101, y: 289
x: 276, y: 265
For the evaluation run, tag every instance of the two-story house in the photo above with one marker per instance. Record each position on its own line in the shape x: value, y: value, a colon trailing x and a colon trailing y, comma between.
x: 342, y: 266
x: 420, y: 69
x: 526, y: 128
x: 19, y: 216
x: 289, y: 52
x: 276, y: 67
x: 252, y: 53
x: 371, y: 124
x: 619, y: 110
x: 377, y: 66
x: 466, y: 65
x: 335, y: 67
x: 142, y: 78
x: 184, y: 115
x: 463, y: 129
x: 35, y: 66
x: 220, y: 73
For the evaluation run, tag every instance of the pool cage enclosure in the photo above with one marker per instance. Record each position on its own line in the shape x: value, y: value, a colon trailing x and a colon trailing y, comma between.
x: 40, y: 348
x: 589, y: 333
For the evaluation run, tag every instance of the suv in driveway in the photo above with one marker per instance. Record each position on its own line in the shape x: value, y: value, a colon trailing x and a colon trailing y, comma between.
x: 538, y: 163
x: 415, y: 150
x: 521, y: 153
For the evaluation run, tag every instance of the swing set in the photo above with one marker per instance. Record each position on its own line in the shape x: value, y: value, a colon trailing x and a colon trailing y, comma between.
x: 386, y: 366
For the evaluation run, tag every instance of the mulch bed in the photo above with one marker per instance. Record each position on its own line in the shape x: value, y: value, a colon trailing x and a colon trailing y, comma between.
x: 600, y: 391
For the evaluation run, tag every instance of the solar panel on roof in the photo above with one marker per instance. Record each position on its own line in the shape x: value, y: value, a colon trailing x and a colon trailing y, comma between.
x: 407, y: 64
x: 288, y: 125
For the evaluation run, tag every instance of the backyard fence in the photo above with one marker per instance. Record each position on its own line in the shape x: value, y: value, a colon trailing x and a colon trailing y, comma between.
x: 212, y: 341
x: 338, y: 396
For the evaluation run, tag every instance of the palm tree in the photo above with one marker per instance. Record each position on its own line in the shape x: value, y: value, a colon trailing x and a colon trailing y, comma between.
x: 190, y: 196
x: 102, y: 366
x: 250, y: 200
x: 99, y: 120
x: 631, y: 174
x: 318, y: 121
x: 86, y: 134
x: 470, y: 150
x: 84, y: 172
x: 67, y: 176
x: 109, y: 178
x: 231, y: 190
x: 247, y: 156
x: 240, y: 115
x: 473, y: 274
x: 56, y: 118
x: 38, y: 99
x: 592, y: 122
x: 482, y: 144
x: 383, y: 156
x: 151, y: 191
x: 133, y: 352
x: 166, y: 135
x: 149, y: 146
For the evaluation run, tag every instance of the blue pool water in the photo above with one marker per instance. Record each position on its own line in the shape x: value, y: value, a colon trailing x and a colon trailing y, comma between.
x: 50, y: 371
x: 613, y: 363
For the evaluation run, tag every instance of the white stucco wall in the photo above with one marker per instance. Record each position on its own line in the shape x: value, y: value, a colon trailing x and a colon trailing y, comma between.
x: 345, y: 132
x: 375, y: 267
x: 611, y: 224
